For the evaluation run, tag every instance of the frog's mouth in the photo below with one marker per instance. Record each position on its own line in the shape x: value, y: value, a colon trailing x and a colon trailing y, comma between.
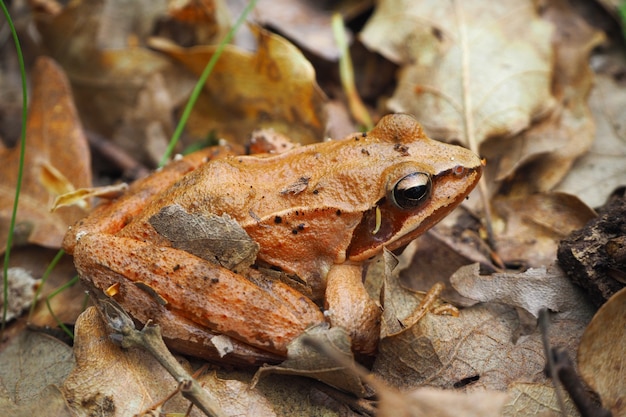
x: 387, y: 225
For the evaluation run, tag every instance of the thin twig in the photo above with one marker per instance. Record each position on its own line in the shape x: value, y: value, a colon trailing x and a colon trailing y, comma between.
x: 559, y: 368
x: 149, y: 338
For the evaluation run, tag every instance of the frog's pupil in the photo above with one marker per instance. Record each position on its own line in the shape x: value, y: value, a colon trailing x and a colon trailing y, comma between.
x: 415, y: 193
x: 412, y: 190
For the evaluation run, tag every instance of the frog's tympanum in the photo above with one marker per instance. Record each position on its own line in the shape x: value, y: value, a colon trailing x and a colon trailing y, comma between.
x: 316, y: 213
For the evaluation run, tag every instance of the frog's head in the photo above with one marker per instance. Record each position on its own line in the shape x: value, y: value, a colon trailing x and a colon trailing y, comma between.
x: 422, y: 180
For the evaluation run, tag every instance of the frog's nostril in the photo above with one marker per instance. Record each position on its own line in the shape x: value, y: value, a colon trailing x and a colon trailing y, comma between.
x: 458, y: 170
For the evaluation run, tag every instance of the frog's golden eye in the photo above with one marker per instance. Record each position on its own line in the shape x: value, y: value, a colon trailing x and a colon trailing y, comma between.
x: 412, y: 190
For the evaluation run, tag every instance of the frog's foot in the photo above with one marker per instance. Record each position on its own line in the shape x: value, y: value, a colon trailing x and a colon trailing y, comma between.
x: 430, y: 304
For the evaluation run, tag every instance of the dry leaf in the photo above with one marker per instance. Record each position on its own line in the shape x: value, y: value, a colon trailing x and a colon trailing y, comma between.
x: 529, y: 228
x: 500, y: 49
x: 246, y: 90
x: 112, y: 381
x: 602, y: 354
x: 436, y: 255
x: 55, y: 143
x: 398, y: 302
x: 32, y: 368
x: 305, y: 359
x: 123, y: 90
x: 536, y: 399
x: 431, y: 402
x: 78, y: 197
x: 539, y: 158
x: 118, y: 382
x: 217, y: 239
x: 594, y: 176
x: 481, y: 348
x: 306, y: 23
x: 532, y: 290
x: 236, y: 398
x: 424, y: 401
x: 446, y: 351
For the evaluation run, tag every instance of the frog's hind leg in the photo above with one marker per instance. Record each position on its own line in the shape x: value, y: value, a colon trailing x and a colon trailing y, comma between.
x: 193, y: 288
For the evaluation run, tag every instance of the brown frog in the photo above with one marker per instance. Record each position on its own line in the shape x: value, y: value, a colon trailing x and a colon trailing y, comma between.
x: 318, y: 213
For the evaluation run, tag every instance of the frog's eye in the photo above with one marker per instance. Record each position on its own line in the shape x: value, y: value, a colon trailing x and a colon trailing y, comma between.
x: 411, y: 190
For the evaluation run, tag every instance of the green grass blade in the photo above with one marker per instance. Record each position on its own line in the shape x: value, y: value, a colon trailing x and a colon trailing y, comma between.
x: 18, y: 185
x: 44, y: 278
x: 202, y: 80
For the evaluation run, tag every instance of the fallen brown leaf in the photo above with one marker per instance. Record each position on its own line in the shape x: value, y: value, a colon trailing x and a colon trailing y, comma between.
x: 110, y: 380
x: 306, y: 23
x: 32, y: 368
x: 528, y: 399
x: 431, y: 402
x: 435, y: 256
x: 246, y: 91
x: 123, y: 90
x: 217, y: 239
x: 80, y: 196
x: 480, y: 349
x: 538, y: 158
x: 54, y: 142
x: 305, y: 360
x: 444, y: 351
x: 236, y: 398
x: 529, y: 228
x: 595, y: 175
x: 602, y: 354
x: 532, y: 290
x: 500, y: 48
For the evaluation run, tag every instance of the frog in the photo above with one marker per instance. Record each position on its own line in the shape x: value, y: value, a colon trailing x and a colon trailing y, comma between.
x: 316, y: 214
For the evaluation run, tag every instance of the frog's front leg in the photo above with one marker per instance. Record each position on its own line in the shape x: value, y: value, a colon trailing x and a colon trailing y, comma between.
x: 209, y: 295
x: 348, y: 305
